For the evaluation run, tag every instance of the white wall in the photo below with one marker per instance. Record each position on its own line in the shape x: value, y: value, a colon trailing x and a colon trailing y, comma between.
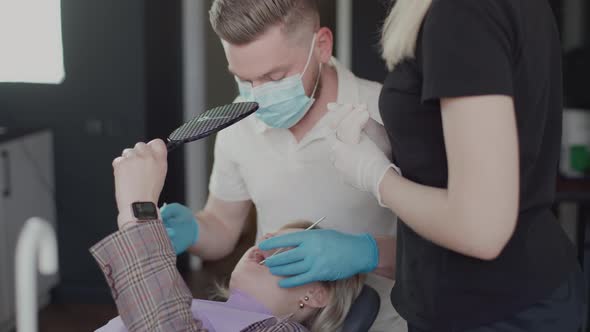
x: 196, y: 156
x: 344, y: 34
x: 196, y: 160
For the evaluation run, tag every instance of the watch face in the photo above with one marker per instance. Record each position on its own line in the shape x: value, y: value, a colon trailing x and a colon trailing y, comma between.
x: 145, y: 211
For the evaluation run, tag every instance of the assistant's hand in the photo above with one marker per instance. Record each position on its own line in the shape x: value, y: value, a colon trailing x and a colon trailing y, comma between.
x: 350, y: 126
x: 181, y: 226
x: 359, y: 160
x: 139, y: 176
x: 320, y: 255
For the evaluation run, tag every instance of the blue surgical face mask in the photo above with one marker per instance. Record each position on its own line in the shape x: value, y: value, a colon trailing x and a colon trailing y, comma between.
x: 282, y: 103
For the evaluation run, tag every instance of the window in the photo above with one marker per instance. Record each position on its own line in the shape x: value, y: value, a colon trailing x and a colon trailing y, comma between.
x: 31, y: 41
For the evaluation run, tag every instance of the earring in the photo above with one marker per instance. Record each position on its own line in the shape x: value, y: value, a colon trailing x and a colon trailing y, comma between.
x: 301, y: 305
x: 306, y: 298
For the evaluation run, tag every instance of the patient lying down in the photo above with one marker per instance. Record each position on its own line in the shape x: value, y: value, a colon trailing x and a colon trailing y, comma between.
x: 254, y: 296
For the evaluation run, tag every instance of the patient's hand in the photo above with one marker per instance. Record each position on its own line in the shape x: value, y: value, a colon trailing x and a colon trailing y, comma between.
x: 139, y: 176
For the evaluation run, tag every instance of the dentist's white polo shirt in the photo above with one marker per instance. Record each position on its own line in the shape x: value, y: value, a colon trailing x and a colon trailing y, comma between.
x: 289, y: 180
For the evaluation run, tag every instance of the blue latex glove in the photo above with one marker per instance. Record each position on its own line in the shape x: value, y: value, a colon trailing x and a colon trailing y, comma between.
x: 320, y: 255
x: 181, y: 226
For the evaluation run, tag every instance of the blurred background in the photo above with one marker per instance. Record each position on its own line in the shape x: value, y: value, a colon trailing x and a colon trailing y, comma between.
x: 98, y: 76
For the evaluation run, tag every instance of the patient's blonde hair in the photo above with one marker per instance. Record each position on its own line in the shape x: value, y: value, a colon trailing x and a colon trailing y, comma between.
x: 401, y: 29
x: 342, y: 295
x: 242, y: 21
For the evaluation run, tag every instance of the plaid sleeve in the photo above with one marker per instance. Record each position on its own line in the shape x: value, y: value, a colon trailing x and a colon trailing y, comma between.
x: 140, y: 267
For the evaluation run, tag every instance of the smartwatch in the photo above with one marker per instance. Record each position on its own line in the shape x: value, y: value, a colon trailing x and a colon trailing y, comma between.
x: 144, y: 211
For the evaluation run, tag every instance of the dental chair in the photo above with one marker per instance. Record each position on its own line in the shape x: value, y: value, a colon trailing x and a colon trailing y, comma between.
x: 363, y: 312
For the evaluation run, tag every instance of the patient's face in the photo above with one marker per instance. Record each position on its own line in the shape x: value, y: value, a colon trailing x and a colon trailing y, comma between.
x: 256, y: 280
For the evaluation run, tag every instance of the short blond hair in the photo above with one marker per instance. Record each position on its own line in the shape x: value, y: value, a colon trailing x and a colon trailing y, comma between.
x: 240, y: 22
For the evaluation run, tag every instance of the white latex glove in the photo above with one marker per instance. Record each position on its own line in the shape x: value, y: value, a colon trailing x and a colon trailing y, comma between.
x: 352, y: 123
x: 371, y: 126
x: 360, y: 161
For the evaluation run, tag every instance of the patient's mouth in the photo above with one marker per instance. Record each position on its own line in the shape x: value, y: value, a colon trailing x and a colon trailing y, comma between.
x: 257, y: 255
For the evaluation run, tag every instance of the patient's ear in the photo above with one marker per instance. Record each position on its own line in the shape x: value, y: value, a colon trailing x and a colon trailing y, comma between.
x: 317, y: 296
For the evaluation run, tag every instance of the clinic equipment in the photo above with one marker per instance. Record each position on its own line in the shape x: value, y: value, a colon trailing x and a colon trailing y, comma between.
x: 37, y: 246
x: 283, y: 249
x: 575, y: 143
x: 210, y: 122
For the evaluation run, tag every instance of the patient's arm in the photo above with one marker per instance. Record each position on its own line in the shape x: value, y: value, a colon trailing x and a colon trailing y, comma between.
x: 139, y: 265
x: 220, y: 226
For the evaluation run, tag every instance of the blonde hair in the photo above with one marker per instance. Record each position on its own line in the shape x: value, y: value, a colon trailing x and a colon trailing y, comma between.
x: 342, y: 293
x: 401, y: 29
x: 240, y: 22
